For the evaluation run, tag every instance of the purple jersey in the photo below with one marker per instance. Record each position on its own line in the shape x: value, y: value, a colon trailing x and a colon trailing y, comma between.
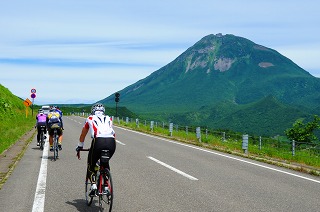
x: 41, y: 118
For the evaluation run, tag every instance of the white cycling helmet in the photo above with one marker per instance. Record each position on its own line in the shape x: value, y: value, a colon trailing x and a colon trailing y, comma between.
x: 97, y: 107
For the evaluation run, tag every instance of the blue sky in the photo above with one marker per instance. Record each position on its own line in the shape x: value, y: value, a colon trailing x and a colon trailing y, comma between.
x: 81, y: 51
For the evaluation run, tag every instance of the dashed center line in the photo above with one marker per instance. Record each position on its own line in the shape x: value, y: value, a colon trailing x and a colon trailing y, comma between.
x: 173, y: 169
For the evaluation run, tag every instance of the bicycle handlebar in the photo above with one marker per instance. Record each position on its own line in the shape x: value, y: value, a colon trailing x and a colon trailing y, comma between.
x: 78, y: 152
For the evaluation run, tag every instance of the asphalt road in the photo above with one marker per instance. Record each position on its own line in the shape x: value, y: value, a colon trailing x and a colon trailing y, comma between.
x: 155, y: 174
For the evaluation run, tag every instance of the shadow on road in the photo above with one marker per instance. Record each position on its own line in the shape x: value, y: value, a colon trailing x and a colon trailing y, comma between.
x: 81, y: 205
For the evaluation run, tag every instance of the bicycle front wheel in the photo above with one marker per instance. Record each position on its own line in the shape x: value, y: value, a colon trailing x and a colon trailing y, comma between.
x: 106, y: 195
x: 87, y: 191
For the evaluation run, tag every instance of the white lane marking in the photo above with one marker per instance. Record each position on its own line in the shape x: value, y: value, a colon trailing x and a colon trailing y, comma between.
x: 119, y: 142
x: 173, y: 169
x: 39, y: 197
x: 222, y: 155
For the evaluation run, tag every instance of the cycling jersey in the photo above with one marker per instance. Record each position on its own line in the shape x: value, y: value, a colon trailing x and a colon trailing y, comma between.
x: 100, y: 126
x: 41, y: 118
x: 54, y: 121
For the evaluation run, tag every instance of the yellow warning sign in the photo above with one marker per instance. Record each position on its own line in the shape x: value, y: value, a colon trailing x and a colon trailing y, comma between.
x: 27, y: 102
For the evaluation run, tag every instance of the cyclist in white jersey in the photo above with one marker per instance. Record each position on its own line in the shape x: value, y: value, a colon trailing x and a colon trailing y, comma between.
x: 103, y: 138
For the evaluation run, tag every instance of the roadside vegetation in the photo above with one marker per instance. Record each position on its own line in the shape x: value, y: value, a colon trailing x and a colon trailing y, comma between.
x: 277, y: 151
x: 13, y: 120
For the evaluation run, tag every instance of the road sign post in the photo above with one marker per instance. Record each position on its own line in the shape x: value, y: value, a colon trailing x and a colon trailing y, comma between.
x: 33, y: 95
x: 27, y: 103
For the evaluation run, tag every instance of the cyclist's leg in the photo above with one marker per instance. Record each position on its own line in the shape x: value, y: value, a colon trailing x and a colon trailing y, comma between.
x: 60, y: 133
x: 38, y: 134
x: 109, y: 144
x: 93, y: 157
x: 50, y: 131
x: 45, y: 131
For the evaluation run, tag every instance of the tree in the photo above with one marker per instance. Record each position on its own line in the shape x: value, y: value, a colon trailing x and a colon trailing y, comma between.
x: 304, y: 133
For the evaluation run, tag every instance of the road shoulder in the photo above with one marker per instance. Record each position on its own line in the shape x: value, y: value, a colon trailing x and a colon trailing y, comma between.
x: 10, y: 157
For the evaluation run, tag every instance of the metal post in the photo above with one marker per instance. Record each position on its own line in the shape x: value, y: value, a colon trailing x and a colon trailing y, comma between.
x: 116, y: 109
x: 260, y: 143
x: 293, y: 147
x: 198, y: 133
x: 170, y: 128
x: 32, y: 106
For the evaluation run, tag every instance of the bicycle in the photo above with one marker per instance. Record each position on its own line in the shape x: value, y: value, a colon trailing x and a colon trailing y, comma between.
x: 42, y: 136
x: 104, y: 183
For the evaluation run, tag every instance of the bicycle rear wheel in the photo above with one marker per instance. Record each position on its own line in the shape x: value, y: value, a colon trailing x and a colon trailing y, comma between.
x: 87, y: 191
x: 106, y: 191
x: 55, y: 147
x: 41, y: 140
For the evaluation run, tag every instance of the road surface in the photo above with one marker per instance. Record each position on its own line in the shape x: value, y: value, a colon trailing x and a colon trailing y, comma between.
x: 156, y: 174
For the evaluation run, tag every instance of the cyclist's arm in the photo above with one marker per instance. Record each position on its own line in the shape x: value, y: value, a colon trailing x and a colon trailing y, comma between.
x: 83, y: 134
x: 61, y: 122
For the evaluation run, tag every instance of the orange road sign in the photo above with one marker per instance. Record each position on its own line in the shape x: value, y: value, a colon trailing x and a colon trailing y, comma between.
x: 27, y: 102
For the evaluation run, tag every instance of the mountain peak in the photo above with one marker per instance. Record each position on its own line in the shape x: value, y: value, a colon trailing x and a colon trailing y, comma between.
x: 220, y: 52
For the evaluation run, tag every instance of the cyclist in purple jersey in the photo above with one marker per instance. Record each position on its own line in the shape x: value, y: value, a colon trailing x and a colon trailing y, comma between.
x: 41, y: 121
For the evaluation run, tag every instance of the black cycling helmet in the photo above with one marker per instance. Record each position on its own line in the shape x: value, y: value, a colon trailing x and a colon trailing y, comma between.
x: 97, y: 107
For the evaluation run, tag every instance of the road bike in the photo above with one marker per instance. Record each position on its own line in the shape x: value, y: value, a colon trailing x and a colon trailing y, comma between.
x: 42, y: 136
x: 104, y: 183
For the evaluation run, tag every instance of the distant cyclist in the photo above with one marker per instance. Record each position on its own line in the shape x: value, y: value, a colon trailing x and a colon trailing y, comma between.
x: 103, y: 138
x: 41, y: 122
x: 54, y: 121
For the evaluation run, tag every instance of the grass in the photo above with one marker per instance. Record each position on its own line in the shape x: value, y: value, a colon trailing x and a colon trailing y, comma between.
x: 12, y: 127
x: 14, y: 122
x: 273, y: 151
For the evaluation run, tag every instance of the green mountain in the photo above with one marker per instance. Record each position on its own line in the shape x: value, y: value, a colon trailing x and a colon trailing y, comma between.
x: 226, y: 81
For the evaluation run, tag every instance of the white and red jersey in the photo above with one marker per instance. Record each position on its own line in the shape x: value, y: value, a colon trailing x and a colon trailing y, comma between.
x: 100, y: 126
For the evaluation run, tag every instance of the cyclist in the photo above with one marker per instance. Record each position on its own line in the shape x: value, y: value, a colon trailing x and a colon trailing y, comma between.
x: 41, y: 121
x: 103, y: 138
x: 54, y: 121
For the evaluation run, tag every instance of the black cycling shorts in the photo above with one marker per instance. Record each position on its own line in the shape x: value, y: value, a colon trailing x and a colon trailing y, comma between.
x: 97, y: 145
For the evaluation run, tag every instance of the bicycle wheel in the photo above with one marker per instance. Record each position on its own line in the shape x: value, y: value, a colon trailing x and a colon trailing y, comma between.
x: 87, y: 191
x: 106, y: 191
x: 41, y: 140
x: 55, y: 147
